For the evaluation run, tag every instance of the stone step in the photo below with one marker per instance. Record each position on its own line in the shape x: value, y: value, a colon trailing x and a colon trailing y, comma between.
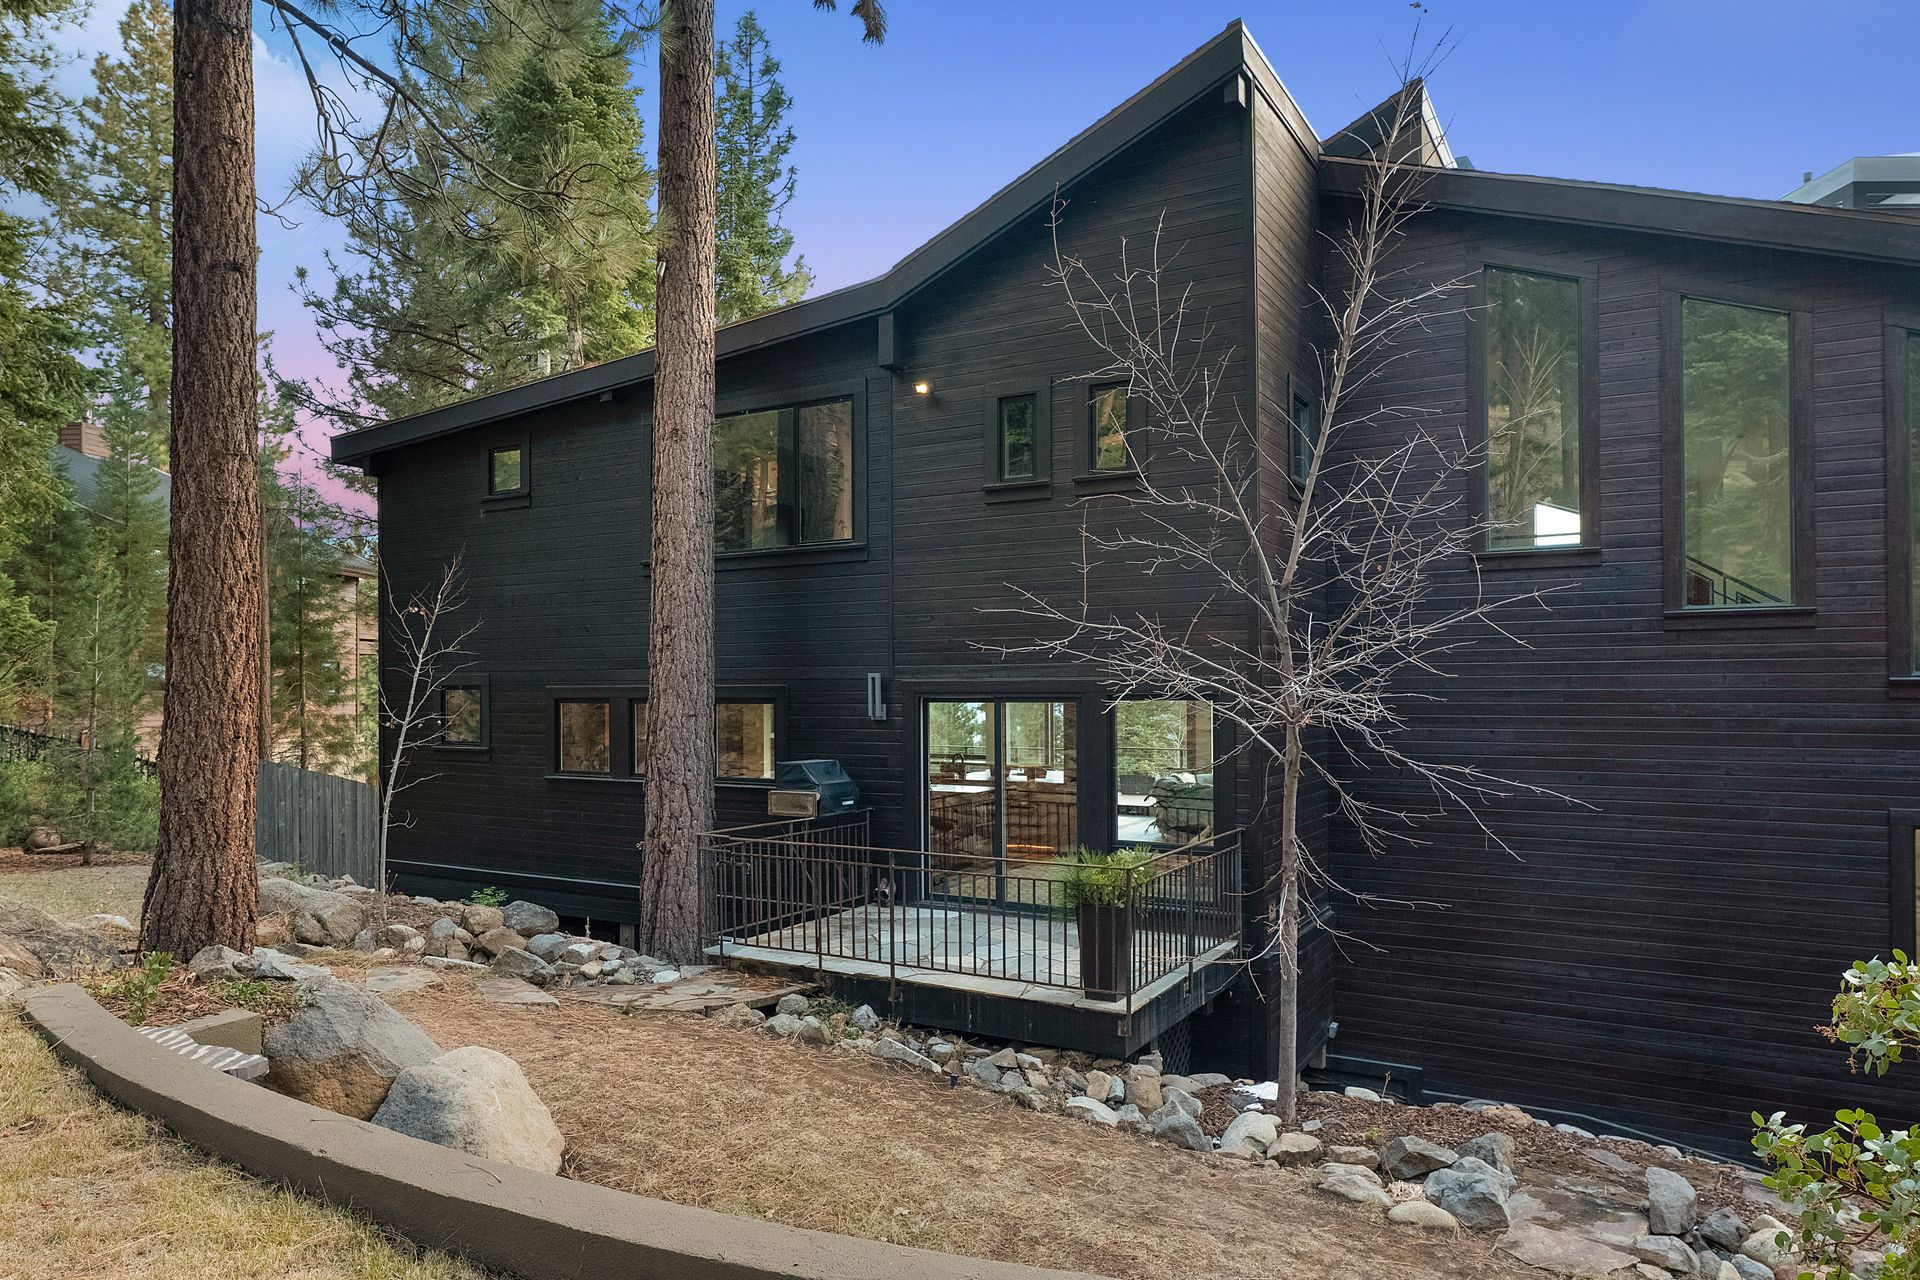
x: 233, y: 1062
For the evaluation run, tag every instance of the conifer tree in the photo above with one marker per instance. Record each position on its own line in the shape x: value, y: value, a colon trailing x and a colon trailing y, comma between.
x: 755, y: 182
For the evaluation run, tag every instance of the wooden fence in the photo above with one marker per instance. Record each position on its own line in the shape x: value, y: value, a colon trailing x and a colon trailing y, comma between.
x: 325, y: 825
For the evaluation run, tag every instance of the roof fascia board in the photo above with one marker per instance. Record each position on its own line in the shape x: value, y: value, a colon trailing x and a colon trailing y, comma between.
x: 1844, y: 233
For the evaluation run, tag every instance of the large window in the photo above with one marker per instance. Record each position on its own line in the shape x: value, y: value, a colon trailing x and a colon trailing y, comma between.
x: 1107, y: 446
x: 1163, y: 771
x: 585, y: 742
x: 784, y: 477
x: 1910, y: 382
x: 1737, y: 456
x: 1531, y: 394
x: 1003, y: 796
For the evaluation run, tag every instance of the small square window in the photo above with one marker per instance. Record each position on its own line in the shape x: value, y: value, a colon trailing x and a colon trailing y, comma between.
x: 1019, y: 437
x: 505, y: 473
x: 462, y: 723
x: 1107, y: 428
x: 585, y: 745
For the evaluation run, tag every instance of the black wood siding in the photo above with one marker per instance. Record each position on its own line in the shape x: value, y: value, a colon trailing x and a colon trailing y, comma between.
x: 1660, y: 958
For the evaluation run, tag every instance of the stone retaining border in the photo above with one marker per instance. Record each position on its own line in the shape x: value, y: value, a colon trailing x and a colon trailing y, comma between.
x: 517, y: 1221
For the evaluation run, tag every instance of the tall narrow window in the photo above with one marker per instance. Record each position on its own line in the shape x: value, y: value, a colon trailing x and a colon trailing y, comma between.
x: 784, y: 477
x: 1019, y: 418
x: 585, y: 745
x: 1305, y: 424
x: 505, y: 473
x: 1531, y: 328
x: 1107, y: 428
x: 1912, y: 373
x: 1163, y: 771
x: 1736, y: 439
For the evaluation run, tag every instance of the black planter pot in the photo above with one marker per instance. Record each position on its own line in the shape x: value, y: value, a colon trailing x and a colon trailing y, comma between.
x: 1106, y: 950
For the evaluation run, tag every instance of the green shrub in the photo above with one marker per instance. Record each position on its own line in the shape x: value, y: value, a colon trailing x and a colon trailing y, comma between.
x: 1102, y: 879
x: 1854, y: 1164
x: 141, y: 987
x: 22, y: 799
x: 53, y: 790
x: 491, y: 896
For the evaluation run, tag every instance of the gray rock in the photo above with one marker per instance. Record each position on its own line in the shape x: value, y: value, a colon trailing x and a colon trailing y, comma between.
x: 210, y: 964
x: 893, y: 1051
x: 1665, y: 1251
x: 1130, y: 1118
x: 363, y: 941
x: 1426, y: 1216
x: 1143, y: 1088
x: 1209, y: 1080
x: 1476, y: 1195
x: 1473, y: 1164
x: 812, y: 1031
x: 864, y: 1018
x: 1171, y: 1124
x: 1250, y: 1133
x: 281, y: 967
x: 1364, y: 1095
x: 986, y: 1073
x: 620, y: 978
x: 1673, y: 1206
x: 1411, y: 1158
x: 1357, y: 1190
x: 477, y: 920
x: 739, y: 1015
x: 580, y: 953
x: 1098, y: 1085
x: 319, y: 917
x: 497, y: 942
x: 400, y: 937
x: 474, y: 1100
x: 524, y: 965
x: 1708, y: 1265
x: 1573, y: 1131
x: 548, y: 946
x: 1495, y: 1149
x: 1294, y: 1149
x: 1725, y: 1229
x: 1365, y: 1157
x: 1747, y: 1269
x: 453, y: 963
x: 1761, y: 1247
x: 1005, y: 1059
x: 1184, y: 1100
x: 342, y: 1048
x: 1333, y: 1169
x: 1084, y: 1108
x: 794, y: 1004
x: 527, y: 918
x: 399, y: 980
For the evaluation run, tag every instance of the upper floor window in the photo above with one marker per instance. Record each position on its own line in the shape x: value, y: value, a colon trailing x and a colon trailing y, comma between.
x: 585, y: 736
x: 1909, y: 395
x: 1303, y: 421
x: 1531, y: 399
x: 784, y: 477
x: 1107, y: 444
x: 1017, y: 437
x: 506, y: 470
x: 1737, y: 456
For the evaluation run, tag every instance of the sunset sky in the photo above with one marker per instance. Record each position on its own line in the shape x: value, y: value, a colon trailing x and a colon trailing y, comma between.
x: 895, y: 142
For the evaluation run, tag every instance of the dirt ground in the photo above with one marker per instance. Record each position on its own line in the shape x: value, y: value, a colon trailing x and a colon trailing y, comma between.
x: 65, y: 890
x: 676, y: 1107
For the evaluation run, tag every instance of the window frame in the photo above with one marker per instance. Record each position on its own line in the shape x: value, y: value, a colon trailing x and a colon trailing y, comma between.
x: 1902, y: 329
x: 520, y: 497
x: 1299, y: 392
x: 776, y: 701
x: 1799, y: 610
x: 1903, y: 911
x: 1040, y: 483
x: 789, y: 403
x: 1094, y: 479
x: 481, y: 686
x: 1111, y: 803
x: 1587, y: 313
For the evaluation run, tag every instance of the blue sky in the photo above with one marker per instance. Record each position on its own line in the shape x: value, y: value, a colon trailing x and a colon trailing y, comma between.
x: 897, y: 141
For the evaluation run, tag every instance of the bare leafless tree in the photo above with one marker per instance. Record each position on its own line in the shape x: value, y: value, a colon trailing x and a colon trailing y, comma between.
x: 430, y: 641
x: 1339, y: 571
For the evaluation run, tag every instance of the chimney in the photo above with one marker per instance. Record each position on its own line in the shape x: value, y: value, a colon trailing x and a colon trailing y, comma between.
x: 84, y: 436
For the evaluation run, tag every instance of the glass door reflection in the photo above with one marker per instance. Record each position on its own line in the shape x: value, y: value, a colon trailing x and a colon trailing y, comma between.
x: 1002, y: 783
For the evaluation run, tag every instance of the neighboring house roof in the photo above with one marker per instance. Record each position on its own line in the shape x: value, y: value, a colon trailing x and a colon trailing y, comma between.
x: 84, y: 470
x: 1230, y: 54
x: 1864, y: 182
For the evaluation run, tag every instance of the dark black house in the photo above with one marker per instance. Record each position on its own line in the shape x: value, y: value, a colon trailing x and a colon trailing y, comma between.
x: 1728, y: 676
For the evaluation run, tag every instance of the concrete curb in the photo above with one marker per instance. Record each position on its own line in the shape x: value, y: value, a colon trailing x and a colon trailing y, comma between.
x: 511, y: 1219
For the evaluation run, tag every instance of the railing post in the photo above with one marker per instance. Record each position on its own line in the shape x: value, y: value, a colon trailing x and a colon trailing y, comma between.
x: 1193, y: 943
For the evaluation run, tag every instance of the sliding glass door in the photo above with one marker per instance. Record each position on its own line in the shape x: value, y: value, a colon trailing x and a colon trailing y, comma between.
x: 1003, y: 795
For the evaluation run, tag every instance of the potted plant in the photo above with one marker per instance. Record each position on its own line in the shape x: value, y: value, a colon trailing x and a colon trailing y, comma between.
x: 1098, y: 890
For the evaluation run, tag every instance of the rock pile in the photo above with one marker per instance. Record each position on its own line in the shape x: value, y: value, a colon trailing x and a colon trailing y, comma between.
x: 1721, y: 1246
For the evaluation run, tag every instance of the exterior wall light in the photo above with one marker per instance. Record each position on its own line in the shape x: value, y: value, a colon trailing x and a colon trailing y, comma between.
x: 923, y: 388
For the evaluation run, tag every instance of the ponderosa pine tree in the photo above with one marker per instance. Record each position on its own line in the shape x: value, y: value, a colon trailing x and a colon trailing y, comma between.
x: 755, y: 182
x: 459, y: 279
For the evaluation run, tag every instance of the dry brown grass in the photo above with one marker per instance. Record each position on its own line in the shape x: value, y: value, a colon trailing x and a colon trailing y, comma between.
x: 67, y: 891
x: 676, y: 1107
x: 88, y: 1191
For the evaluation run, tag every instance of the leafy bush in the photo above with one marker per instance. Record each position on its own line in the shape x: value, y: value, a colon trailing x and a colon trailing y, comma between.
x: 141, y: 987
x: 491, y: 896
x: 1854, y: 1167
x: 53, y: 790
x: 1102, y: 879
x: 22, y: 799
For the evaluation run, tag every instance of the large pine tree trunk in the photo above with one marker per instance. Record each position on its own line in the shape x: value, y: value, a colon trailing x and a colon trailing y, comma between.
x: 204, y: 888
x: 680, y: 638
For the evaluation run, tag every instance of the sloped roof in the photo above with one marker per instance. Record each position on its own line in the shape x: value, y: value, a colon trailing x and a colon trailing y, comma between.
x: 1194, y: 76
x: 1421, y: 137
